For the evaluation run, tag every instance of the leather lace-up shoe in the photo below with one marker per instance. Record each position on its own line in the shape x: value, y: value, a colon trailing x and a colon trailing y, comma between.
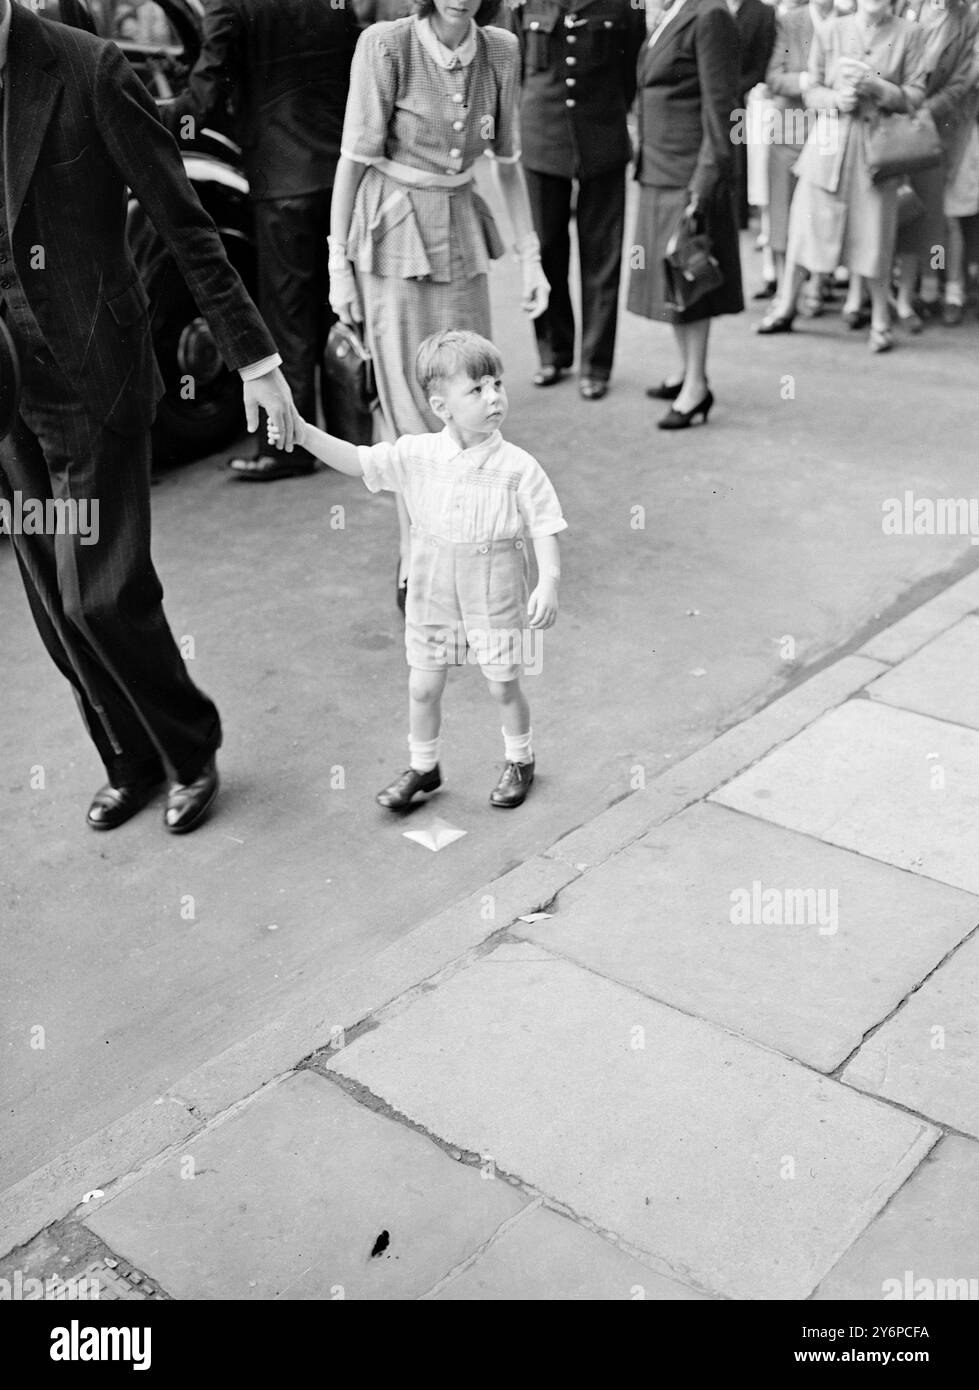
x: 513, y: 786
x: 188, y: 803
x: 593, y: 388
x: 398, y: 796
x: 113, y: 806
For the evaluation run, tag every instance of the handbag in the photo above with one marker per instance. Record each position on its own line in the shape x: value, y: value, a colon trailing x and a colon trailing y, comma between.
x: 347, y: 386
x: 901, y: 144
x: 689, y: 269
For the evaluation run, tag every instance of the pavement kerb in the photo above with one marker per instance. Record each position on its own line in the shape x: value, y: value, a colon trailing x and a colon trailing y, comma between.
x: 198, y: 1099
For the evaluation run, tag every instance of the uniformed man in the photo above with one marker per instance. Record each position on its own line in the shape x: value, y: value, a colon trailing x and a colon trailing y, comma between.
x: 579, y: 79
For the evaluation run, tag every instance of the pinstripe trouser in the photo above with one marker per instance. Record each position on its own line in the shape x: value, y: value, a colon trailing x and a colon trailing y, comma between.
x: 98, y: 607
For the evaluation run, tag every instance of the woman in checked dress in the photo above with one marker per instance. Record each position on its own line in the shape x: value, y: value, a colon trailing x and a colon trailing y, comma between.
x: 411, y: 240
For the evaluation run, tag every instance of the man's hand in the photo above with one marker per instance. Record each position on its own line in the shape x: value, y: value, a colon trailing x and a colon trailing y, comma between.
x: 271, y: 393
x: 542, y: 606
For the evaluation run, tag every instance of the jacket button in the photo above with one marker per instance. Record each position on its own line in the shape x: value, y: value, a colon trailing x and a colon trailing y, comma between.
x: 534, y: 24
x: 570, y: 61
x: 569, y: 81
x: 570, y: 101
x: 457, y: 125
x: 4, y: 284
x: 571, y: 38
x: 454, y: 154
x: 457, y: 96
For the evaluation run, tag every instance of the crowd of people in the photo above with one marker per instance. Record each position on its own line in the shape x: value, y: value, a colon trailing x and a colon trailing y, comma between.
x: 593, y: 86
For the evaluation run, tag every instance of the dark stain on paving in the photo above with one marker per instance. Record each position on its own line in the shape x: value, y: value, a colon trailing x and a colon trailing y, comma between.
x: 380, y: 1245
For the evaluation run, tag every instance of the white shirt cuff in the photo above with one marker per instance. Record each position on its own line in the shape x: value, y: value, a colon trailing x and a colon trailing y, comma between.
x: 257, y: 369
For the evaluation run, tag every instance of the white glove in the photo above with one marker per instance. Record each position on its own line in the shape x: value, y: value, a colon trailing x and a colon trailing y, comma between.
x: 536, y: 289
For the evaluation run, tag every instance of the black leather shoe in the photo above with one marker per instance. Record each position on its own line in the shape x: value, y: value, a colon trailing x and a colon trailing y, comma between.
x: 266, y: 469
x: 593, y: 388
x: 767, y: 291
x: 548, y: 375
x: 398, y: 796
x: 513, y: 786
x: 112, y: 806
x: 665, y: 391
x: 188, y: 803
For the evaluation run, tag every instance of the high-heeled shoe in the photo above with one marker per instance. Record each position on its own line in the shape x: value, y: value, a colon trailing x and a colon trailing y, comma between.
x: 775, y: 323
x: 665, y: 391
x: 682, y: 419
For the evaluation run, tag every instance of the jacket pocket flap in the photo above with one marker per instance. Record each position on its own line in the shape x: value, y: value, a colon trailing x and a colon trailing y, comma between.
x: 129, y: 305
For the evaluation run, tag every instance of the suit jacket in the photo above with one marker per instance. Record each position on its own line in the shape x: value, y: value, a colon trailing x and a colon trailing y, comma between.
x: 79, y: 127
x: 756, y: 38
x: 947, y: 47
x: 687, y: 95
x: 578, y: 60
x: 283, y: 66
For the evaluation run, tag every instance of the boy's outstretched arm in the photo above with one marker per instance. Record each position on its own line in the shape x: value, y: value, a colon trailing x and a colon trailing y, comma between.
x: 542, y: 607
x: 335, y: 453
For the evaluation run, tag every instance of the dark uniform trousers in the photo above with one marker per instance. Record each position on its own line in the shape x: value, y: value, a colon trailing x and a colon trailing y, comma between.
x: 599, y: 212
x: 98, y: 607
x: 293, y: 292
x: 578, y: 62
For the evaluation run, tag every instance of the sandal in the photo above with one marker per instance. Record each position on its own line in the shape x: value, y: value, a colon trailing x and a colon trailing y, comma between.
x: 881, y: 340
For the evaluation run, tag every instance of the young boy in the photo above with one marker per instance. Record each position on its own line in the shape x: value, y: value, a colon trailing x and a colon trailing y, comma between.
x: 474, y: 501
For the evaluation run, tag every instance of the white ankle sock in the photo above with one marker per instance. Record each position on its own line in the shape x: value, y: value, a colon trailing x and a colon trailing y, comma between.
x: 424, y: 756
x: 954, y: 292
x: 517, y: 747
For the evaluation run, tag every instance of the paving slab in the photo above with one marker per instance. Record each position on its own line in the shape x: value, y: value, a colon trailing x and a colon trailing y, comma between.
x: 291, y: 1196
x: 941, y: 680
x: 927, y: 1056
x: 900, y: 639
x: 794, y: 943
x: 925, y: 1245
x: 885, y: 782
x: 542, y: 1256
x: 733, y: 1168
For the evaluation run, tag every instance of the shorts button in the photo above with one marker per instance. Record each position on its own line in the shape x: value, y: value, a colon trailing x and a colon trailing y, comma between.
x: 518, y: 545
x: 484, y: 550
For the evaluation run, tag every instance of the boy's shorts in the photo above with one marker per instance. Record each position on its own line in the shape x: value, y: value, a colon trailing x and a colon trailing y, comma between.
x: 467, y: 603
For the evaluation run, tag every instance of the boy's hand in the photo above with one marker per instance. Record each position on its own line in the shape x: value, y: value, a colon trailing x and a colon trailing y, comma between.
x: 542, y: 607
x: 299, y: 432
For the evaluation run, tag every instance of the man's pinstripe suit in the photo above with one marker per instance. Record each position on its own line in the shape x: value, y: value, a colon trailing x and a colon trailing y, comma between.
x: 78, y: 129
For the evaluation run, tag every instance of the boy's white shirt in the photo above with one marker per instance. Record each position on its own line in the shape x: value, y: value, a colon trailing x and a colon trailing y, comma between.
x: 491, y: 491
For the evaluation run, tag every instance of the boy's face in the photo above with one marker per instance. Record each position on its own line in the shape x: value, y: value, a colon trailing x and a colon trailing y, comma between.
x: 476, y: 408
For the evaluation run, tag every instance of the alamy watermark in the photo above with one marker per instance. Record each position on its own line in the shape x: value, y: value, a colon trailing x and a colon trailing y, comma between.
x: 51, y: 516
x: 927, y: 1290
x: 758, y: 906
x: 930, y: 516
x: 23, y: 1288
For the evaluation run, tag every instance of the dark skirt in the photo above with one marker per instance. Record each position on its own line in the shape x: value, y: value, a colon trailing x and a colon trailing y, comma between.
x: 657, y: 217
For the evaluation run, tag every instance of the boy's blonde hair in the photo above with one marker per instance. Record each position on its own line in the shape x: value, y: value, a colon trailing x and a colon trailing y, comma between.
x: 455, y: 350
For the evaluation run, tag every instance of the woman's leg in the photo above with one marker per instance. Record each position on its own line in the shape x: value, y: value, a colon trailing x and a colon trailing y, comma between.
x: 907, y: 284
x: 880, y: 314
x: 695, y: 339
x: 854, y: 294
x: 783, y: 305
x: 954, y: 274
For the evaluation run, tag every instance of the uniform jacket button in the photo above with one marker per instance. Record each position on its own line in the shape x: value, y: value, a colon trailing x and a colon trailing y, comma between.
x: 570, y: 101
x: 569, y: 81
